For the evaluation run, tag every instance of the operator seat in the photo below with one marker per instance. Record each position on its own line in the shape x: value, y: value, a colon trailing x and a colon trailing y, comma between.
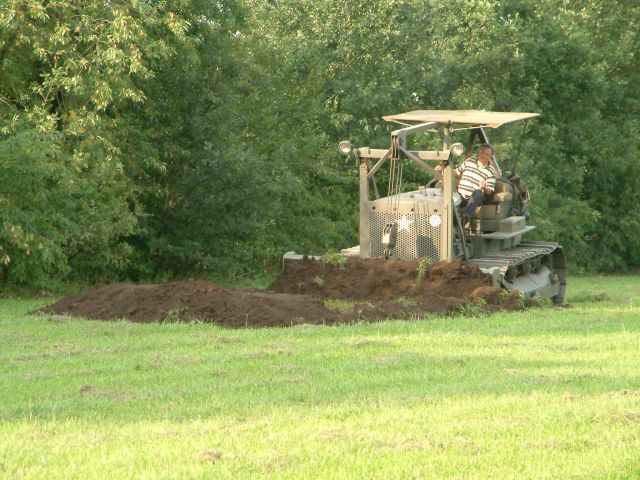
x: 496, y: 207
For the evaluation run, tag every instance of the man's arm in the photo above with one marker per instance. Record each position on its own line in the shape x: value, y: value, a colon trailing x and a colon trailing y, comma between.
x: 488, y: 185
x: 485, y: 189
x: 457, y: 172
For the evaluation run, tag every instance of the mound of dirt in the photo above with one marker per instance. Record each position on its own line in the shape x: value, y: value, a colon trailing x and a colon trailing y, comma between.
x: 375, y: 279
x: 362, y: 289
x: 194, y: 300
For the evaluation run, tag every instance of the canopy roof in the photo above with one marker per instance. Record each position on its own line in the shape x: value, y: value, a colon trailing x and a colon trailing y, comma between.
x: 466, y: 117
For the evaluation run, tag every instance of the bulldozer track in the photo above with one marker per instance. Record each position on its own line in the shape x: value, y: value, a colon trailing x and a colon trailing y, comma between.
x: 513, y: 262
x: 513, y: 257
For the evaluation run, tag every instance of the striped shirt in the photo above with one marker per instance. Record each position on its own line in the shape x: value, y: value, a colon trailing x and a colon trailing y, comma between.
x: 472, y: 174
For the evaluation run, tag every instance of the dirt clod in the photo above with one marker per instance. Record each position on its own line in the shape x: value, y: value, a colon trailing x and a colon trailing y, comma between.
x: 362, y: 290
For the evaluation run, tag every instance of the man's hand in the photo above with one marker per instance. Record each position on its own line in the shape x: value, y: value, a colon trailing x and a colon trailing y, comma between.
x: 439, y: 168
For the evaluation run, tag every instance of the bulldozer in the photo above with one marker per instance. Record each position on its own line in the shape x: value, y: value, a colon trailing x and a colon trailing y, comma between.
x: 427, y: 223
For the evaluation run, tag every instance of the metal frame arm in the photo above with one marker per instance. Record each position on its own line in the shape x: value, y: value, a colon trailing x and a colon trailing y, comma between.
x: 439, y: 155
x: 404, y: 132
x: 427, y: 168
x: 379, y: 164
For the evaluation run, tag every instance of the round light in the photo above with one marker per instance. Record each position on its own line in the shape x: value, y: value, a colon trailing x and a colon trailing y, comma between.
x: 456, y: 149
x: 345, y: 147
x: 435, y: 220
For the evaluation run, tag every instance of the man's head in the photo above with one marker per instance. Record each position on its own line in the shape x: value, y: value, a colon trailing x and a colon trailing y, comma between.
x: 484, y: 154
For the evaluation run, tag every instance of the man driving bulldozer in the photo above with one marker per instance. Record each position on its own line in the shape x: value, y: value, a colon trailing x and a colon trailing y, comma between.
x: 476, y: 180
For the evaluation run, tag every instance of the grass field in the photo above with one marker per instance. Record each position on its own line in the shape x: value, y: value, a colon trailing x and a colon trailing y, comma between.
x: 547, y: 393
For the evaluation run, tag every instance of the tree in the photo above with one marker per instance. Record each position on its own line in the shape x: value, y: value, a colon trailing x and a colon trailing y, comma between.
x: 68, y: 73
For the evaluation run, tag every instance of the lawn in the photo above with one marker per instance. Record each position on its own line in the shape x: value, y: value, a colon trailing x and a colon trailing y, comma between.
x: 546, y: 393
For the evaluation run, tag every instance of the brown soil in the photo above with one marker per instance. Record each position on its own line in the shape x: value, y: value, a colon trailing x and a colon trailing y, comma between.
x: 363, y: 290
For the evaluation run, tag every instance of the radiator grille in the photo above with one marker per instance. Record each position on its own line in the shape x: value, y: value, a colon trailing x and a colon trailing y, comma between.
x: 418, y: 239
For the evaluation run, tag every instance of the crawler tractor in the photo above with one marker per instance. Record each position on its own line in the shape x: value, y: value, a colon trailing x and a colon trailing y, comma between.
x: 428, y: 222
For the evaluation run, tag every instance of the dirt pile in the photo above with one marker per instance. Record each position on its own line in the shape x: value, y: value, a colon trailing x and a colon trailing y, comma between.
x: 378, y: 280
x: 362, y: 289
x: 194, y: 300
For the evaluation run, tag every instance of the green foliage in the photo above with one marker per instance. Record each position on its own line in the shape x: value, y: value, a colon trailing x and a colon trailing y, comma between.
x: 160, y: 139
x: 423, y: 267
x: 471, y: 310
x: 544, y: 303
x: 333, y: 257
x: 68, y: 202
x: 383, y: 57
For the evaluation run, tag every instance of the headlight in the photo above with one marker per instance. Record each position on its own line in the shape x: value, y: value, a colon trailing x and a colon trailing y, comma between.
x: 345, y: 147
x: 456, y: 149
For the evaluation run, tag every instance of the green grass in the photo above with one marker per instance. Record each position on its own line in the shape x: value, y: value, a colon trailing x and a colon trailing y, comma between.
x: 546, y: 393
